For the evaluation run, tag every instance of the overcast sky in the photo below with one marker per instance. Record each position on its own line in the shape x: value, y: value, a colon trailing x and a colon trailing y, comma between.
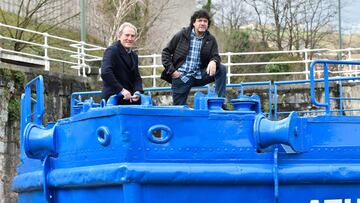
x: 350, y: 14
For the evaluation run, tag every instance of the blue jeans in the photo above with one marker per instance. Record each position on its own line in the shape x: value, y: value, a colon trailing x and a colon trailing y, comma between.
x: 181, y: 90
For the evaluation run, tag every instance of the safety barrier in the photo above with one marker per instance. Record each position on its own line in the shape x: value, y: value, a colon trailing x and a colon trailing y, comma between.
x: 79, y: 55
x: 271, y: 89
x: 76, y: 55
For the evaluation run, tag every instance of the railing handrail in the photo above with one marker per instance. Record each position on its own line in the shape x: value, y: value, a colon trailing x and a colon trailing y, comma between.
x: 325, y: 63
x: 294, y: 82
x: 272, y: 91
x: 80, y: 54
x: 48, y: 35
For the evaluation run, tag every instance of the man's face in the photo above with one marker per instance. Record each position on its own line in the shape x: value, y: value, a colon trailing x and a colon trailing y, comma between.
x: 127, y: 37
x: 201, y: 25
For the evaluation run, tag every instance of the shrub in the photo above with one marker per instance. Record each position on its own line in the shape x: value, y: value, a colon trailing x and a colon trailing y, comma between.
x: 276, y: 68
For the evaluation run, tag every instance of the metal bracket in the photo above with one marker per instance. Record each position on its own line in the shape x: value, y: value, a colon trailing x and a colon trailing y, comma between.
x: 276, y: 176
x: 48, y: 192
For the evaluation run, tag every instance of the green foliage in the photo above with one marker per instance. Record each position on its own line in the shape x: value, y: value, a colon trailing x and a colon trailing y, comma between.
x: 207, y: 6
x: 265, y: 106
x: 276, y: 68
x: 19, y: 78
x: 139, y: 16
x: 134, y: 16
x: 286, y: 67
x: 5, y: 73
x: 107, y: 7
x: 14, y: 109
x: 237, y: 40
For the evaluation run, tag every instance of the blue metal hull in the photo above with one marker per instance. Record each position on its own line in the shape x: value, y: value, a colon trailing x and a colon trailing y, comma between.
x: 198, y: 164
x: 139, y: 154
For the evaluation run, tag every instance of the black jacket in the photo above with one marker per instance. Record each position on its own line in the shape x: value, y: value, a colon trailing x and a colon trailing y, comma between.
x: 120, y: 70
x: 174, y: 54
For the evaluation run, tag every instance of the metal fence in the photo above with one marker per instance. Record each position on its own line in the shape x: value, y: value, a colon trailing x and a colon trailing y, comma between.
x: 80, y: 55
x: 270, y: 93
x: 272, y: 106
x: 75, y: 54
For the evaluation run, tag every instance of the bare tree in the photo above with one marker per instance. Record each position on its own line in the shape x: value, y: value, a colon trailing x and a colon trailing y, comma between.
x: 294, y: 23
x: 39, y: 15
x: 279, y: 10
x: 143, y: 13
x: 269, y: 19
x: 317, y: 18
x: 118, y: 10
x: 262, y: 18
x: 233, y: 14
x: 146, y: 15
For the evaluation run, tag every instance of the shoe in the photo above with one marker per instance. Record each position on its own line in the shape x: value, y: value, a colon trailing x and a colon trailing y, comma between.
x: 224, y: 107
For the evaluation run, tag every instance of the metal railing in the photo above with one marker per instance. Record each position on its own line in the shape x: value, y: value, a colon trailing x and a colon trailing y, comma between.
x: 79, y: 55
x: 271, y: 89
x: 317, y: 110
x: 347, y: 54
x: 327, y: 97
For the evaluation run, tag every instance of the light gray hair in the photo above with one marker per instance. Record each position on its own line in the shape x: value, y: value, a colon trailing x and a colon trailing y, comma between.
x: 125, y: 25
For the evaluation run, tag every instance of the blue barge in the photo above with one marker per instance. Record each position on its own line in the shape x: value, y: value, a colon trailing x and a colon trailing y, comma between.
x: 105, y: 152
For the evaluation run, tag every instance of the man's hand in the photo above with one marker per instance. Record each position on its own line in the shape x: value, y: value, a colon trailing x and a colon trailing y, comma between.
x: 126, y: 94
x: 135, y: 98
x: 175, y: 74
x: 211, y: 68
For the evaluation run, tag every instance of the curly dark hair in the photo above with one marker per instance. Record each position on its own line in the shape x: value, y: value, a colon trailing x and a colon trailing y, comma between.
x: 200, y: 14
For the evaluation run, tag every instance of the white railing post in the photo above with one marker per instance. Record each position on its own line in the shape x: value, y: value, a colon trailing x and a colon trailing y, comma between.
x: 306, y: 64
x: 228, y: 67
x: 154, y: 70
x: 45, y: 47
x: 83, y: 65
x: 350, y: 66
x: 78, y: 57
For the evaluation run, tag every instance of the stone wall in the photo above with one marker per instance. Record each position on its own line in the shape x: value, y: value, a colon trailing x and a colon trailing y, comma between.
x: 58, y: 89
x: 352, y: 90
x: 9, y: 132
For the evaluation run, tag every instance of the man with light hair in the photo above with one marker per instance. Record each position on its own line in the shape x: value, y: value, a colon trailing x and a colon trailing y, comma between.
x: 124, y: 25
x: 120, y: 68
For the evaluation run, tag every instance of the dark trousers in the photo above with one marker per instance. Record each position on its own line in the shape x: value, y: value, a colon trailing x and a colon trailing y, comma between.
x: 181, y: 90
x: 121, y: 101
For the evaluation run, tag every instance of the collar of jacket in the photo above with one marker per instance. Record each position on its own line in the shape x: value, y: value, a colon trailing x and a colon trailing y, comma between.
x: 121, y: 48
x: 187, y: 32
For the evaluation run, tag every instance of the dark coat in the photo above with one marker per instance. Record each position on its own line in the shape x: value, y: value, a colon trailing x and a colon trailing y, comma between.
x: 174, y: 54
x: 120, y: 70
